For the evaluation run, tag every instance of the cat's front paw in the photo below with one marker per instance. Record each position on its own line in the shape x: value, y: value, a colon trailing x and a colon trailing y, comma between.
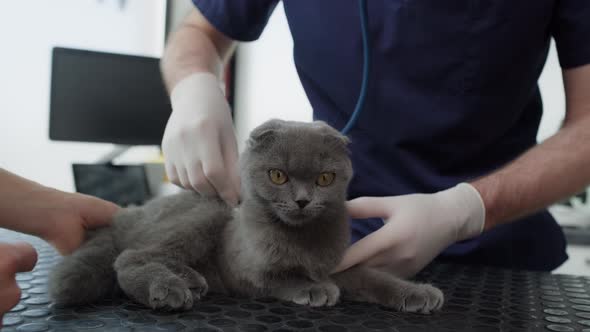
x: 170, y: 294
x: 421, y: 298
x: 317, y: 295
x: 195, y: 282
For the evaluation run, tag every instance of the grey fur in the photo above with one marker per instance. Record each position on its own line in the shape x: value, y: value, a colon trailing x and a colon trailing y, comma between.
x: 168, y: 253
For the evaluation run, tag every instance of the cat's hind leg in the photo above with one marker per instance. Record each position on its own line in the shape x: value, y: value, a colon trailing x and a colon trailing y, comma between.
x: 158, y: 283
x: 375, y: 286
x: 87, y: 275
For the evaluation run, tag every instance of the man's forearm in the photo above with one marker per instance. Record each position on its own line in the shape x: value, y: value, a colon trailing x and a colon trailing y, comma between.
x: 549, y: 172
x: 554, y: 170
x: 16, y: 194
x: 195, y: 47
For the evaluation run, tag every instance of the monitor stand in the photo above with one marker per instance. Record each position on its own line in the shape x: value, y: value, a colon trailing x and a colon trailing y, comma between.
x: 117, y: 151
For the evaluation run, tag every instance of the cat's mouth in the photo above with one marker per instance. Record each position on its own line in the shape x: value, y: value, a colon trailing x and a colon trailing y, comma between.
x: 295, y: 218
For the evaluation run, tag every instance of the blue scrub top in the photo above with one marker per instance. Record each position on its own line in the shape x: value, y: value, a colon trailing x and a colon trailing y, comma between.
x: 453, y: 95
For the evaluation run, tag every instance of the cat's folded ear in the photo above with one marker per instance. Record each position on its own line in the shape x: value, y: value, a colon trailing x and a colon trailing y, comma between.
x: 265, y: 133
x: 332, y: 136
x: 268, y: 132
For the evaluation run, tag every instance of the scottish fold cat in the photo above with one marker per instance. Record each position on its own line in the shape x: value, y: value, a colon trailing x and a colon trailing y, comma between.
x: 287, y: 235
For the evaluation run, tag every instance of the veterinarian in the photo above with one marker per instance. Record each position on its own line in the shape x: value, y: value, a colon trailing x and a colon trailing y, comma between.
x: 445, y: 153
x: 58, y: 217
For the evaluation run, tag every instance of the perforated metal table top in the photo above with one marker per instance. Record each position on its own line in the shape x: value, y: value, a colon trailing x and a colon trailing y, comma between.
x: 477, y: 299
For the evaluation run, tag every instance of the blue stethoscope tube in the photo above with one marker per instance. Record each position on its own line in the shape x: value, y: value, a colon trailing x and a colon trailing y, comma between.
x: 364, y: 17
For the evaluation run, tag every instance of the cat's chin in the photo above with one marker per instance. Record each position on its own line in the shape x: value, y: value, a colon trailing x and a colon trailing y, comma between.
x: 295, y: 220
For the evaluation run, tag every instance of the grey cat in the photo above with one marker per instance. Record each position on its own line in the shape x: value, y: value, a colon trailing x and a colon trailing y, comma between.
x: 289, y: 232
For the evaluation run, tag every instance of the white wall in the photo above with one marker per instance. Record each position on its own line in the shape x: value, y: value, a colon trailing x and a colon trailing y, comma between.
x: 179, y: 9
x: 28, y: 31
x: 551, y: 85
x: 268, y: 85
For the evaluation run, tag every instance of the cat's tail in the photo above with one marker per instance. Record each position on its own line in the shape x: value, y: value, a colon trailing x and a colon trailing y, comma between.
x: 87, y: 275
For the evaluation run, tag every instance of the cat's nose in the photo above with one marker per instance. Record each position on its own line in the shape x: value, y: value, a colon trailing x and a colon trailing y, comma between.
x: 302, y: 203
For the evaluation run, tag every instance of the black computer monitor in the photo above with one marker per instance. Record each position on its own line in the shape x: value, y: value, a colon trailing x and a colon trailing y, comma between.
x: 121, y: 184
x: 108, y: 98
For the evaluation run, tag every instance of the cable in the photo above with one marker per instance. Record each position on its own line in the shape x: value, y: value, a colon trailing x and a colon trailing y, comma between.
x: 364, y: 16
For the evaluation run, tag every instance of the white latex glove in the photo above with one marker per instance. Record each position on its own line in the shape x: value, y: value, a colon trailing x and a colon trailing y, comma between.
x: 199, y: 142
x: 417, y: 228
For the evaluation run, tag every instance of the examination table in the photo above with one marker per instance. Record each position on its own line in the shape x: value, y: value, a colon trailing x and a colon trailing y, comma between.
x: 477, y: 299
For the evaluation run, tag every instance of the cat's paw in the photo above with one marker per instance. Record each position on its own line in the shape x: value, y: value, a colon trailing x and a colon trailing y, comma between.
x: 317, y: 295
x: 421, y: 298
x: 195, y: 282
x: 170, y: 293
x: 200, y: 290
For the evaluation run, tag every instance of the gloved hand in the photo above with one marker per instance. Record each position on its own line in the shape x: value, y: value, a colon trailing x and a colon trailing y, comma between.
x: 417, y: 228
x: 18, y: 257
x: 199, y: 143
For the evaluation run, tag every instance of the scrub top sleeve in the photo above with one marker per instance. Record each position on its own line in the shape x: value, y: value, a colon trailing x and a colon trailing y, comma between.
x: 241, y: 20
x: 571, y: 30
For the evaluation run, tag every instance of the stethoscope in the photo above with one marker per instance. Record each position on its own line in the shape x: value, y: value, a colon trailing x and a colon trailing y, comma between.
x: 364, y: 18
x: 360, y: 103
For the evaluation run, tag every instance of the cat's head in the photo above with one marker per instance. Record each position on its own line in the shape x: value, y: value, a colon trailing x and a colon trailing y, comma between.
x: 297, y: 171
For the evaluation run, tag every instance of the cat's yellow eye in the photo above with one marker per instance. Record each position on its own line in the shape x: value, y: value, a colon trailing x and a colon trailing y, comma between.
x: 325, y: 179
x: 277, y: 176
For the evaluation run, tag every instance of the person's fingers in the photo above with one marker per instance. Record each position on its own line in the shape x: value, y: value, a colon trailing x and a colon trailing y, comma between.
x: 17, y: 257
x: 369, y: 207
x: 10, y: 295
x: 215, y: 171
x: 171, y: 173
x: 26, y: 256
x: 235, y: 181
x: 183, y: 178
x: 199, y: 182
x: 385, y: 262
x: 363, y: 250
x: 95, y: 211
x: 230, y: 157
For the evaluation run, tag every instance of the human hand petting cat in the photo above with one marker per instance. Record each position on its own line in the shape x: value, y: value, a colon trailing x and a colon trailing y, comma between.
x: 199, y: 143
x: 19, y: 257
x: 417, y: 228
x: 60, y: 218
x: 70, y: 215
